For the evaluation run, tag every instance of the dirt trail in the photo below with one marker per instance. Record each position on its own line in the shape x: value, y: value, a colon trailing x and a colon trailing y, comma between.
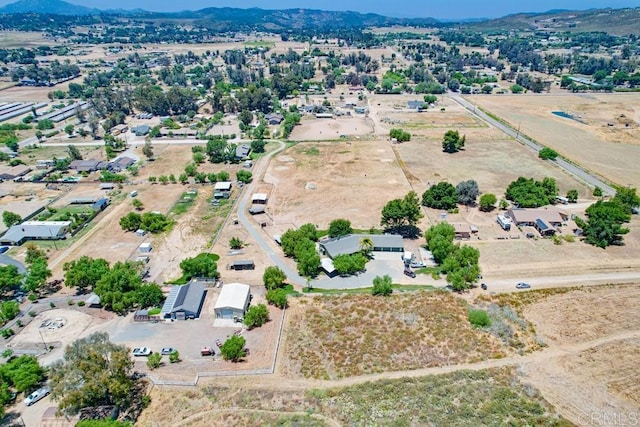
x: 204, y: 417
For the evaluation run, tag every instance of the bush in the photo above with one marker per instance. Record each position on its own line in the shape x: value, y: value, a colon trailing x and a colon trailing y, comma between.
x: 382, y: 285
x: 548, y: 154
x: 174, y: 357
x: 80, y: 303
x: 154, y: 360
x: 479, y: 318
x: 33, y: 313
x: 6, y: 333
x: 277, y: 297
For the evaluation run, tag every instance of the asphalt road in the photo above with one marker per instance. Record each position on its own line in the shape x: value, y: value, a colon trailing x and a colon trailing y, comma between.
x: 7, y: 260
x: 574, y: 170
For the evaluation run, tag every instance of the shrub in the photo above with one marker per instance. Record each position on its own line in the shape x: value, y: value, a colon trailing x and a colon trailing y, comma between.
x: 80, y: 303
x: 174, y: 357
x: 479, y: 318
x: 256, y: 316
x: 548, y: 154
x: 33, y: 313
x: 154, y: 360
x: 382, y: 285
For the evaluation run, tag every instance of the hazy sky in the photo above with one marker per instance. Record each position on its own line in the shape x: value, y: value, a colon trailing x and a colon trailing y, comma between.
x: 399, y: 8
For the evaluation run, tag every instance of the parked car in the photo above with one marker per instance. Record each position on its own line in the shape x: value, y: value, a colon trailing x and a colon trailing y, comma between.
x: 417, y: 264
x: 484, y: 286
x: 410, y: 273
x: 37, y: 395
x: 207, y: 351
x: 3, y: 249
x: 523, y: 285
x: 141, y: 351
x: 167, y: 351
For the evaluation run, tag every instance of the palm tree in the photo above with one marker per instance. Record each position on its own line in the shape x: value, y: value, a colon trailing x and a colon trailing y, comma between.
x: 366, y: 245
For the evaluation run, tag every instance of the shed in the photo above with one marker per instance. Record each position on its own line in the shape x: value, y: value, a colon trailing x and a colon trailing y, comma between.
x: 93, y: 301
x: 107, y: 186
x: 145, y: 247
x: 141, y: 130
x: 462, y: 231
x: 222, y: 186
x: 100, y: 204
x: 243, y: 151
x: 259, y: 198
x: 242, y: 264
x: 184, y: 302
x: 233, y: 301
x: 257, y: 209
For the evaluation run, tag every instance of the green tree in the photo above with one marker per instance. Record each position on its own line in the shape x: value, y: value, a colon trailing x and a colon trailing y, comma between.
x: 461, y: 267
x: 529, y: 193
x: 183, y: 178
x: 69, y: 129
x: 93, y: 372
x: 277, y: 297
x: 467, y: 192
x: 547, y: 153
x: 366, y: 246
x: 37, y: 275
x: 488, y: 202
x: 627, y: 197
x: 273, y: 277
x: 84, y: 272
x: 402, y: 212
x: 45, y: 124
x: 597, y: 192
x: 147, y: 150
x: 382, y: 285
x: 572, y: 196
x: 452, y: 142
x: 244, y: 175
x: 223, y: 176
x: 154, y: 222
x: 399, y: 135
x: 191, y: 169
x: 198, y: 158
x: 10, y: 218
x: 233, y: 348
x: 74, y: 152
x: 131, y: 222
x: 9, y: 310
x: 604, y: 224
x: 340, y: 227
x: 154, y: 360
x: 149, y: 295
x: 257, y: 146
x: 118, y: 287
x: 10, y: 278
x: 137, y: 204
x: 203, y: 265
x: 349, y: 264
x: 174, y: 357
x: 440, y: 196
x: 23, y: 372
x: 256, y: 316
x: 235, y: 243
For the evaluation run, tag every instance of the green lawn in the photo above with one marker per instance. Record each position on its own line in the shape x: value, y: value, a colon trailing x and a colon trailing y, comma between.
x: 186, y: 200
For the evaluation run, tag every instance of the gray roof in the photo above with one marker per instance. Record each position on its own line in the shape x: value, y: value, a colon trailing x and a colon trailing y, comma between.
x: 350, y: 244
x: 36, y: 230
x: 243, y: 150
x: 187, y: 298
x: 84, y: 165
x: 243, y: 262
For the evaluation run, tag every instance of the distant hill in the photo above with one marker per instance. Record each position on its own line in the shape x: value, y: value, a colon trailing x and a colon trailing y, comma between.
x: 50, y: 7
x: 612, y: 21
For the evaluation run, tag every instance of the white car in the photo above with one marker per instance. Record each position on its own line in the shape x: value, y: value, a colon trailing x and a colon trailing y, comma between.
x: 37, y: 395
x: 141, y: 351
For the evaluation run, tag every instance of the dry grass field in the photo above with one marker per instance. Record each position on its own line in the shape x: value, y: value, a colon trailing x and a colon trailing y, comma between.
x: 603, y: 143
x: 318, y: 182
x: 343, y: 336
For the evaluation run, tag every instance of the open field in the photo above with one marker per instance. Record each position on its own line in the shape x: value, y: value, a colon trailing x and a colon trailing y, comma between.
x: 488, y: 397
x: 611, y: 151
x: 341, y: 336
x: 356, y: 179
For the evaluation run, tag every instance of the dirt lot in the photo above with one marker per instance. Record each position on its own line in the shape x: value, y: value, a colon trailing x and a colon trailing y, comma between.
x: 603, y: 143
x: 312, y: 129
x: 356, y: 179
x: 596, y: 333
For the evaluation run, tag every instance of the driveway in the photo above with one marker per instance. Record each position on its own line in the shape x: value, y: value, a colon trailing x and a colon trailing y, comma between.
x: 7, y: 260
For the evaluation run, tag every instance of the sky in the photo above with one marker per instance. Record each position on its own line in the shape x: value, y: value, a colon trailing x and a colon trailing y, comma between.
x: 457, y: 9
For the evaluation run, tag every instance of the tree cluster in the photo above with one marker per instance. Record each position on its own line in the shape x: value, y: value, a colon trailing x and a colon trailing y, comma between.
x: 202, y: 265
x: 440, y: 196
x: 274, y: 280
x: 530, y: 193
x: 399, y: 135
x: 340, y: 227
x: 458, y: 262
x: 398, y: 214
x: 151, y: 222
x: 452, y: 142
x: 300, y: 244
x: 348, y: 264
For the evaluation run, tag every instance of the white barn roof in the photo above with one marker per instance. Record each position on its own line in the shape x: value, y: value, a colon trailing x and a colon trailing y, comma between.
x: 233, y: 295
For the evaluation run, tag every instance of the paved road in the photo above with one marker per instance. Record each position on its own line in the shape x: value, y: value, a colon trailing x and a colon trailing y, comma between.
x: 574, y: 170
x: 7, y: 260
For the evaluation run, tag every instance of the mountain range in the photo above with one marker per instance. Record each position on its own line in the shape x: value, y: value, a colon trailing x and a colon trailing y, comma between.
x: 614, y: 21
